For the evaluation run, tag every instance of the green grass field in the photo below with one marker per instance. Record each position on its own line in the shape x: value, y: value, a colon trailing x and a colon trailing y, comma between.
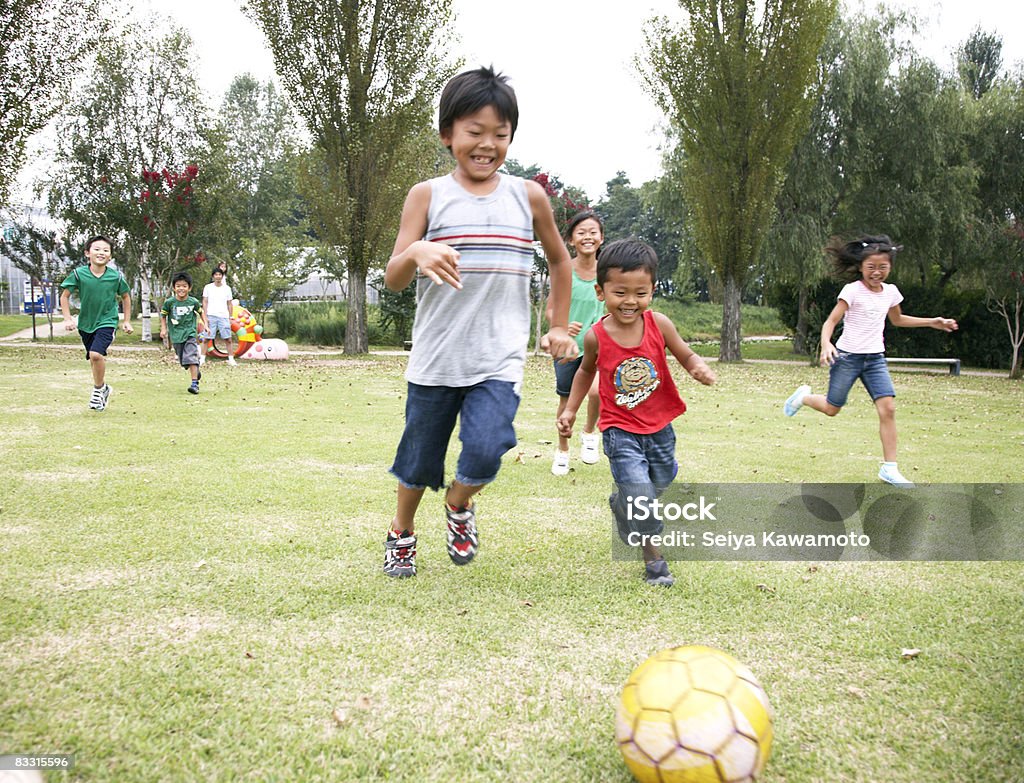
x: 192, y: 588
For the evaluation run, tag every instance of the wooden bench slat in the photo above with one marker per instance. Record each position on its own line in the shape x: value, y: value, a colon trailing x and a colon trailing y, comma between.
x: 954, y: 364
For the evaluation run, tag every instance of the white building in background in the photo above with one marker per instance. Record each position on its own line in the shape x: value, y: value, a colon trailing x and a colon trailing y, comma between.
x: 321, y: 287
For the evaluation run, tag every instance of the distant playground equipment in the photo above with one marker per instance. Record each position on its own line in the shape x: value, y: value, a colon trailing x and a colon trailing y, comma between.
x: 251, y: 344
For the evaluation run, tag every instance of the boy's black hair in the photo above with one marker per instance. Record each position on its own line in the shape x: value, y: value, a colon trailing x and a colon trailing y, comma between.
x: 182, y: 276
x: 579, y: 217
x: 473, y: 90
x: 846, y: 257
x: 627, y: 255
x: 97, y: 238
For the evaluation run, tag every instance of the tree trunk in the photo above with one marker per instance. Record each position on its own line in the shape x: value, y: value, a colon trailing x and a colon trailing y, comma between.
x: 1016, y: 338
x: 356, y: 339
x: 147, y: 330
x: 729, y: 349
x: 800, y: 338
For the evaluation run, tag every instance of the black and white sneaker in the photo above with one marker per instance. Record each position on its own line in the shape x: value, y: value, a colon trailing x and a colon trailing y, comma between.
x: 400, y: 554
x: 462, y: 537
x: 98, y: 398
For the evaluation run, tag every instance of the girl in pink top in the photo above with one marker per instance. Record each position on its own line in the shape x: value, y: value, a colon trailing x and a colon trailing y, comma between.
x: 863, y: 305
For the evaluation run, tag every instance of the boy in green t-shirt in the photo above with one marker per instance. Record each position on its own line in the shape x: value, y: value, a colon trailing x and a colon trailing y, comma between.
x: 98, y: 288
x: 183, y: 312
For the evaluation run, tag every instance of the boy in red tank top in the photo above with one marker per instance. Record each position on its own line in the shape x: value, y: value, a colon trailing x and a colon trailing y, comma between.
x: 639, y: 400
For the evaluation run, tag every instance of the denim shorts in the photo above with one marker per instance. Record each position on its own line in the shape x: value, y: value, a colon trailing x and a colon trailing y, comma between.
x: 848, y: 367
x: 641, y: 465
x: 485, y: 412
x: 98, y: 341
x: 218, y: 326
x: 564, y: 374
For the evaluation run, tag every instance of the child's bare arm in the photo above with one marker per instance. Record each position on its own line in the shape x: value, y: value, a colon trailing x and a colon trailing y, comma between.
x: 65, y: 309
x: 581, y: 384
x: 126, y: 305
x: 163, y: 324
x: 828, y: 351
x: 438, y: 261
x: 560, y: 344
x: 684, y: 354
x: 898, y: 318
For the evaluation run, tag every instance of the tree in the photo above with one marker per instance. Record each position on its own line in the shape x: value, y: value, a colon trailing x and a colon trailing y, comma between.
x: 265, y: 269
x: 1003, y: 278
x: 362, y: 76
x: 44, y: 256
x: 258, y: 139
x: 737, y: 91
x: 852, y: 72
x: 126, y: 156
x: 42, y: 46
x: 644, y: 213
x: 978, y: 61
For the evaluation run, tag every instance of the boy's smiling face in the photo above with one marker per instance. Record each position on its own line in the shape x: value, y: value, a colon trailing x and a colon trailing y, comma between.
x: 479, y: 143
x: 181, y: 289
x: 98, y: 253
x: 626, y: 294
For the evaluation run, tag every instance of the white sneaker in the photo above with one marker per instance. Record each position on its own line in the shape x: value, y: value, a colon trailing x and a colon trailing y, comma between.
x: 96, y: 400
x: 231, y: 361
x: 560, y: 465
x: 589, y: 453
x: 796, y: 400
x: 202, y: 360
x: 890, y: 474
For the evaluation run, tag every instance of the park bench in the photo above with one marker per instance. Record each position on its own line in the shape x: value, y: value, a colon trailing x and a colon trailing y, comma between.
x: 954, y: 364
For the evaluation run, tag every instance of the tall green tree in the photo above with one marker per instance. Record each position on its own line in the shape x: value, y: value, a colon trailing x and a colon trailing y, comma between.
x: 918, y: 182
x: 125, y: 163
x: 362, y: 76
x: 43, y: 44
x: 736, y: 85
x: 979, y: 60
x: 261, y: 149
x: 827, y: 163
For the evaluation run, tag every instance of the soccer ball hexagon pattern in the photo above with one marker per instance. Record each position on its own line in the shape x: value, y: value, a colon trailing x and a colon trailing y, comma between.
x: 694, y: 715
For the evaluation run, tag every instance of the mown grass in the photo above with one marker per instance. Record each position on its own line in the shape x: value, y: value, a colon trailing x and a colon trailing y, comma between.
x: 703, y: 320
x: 192, y: 586
x: 9, y: 324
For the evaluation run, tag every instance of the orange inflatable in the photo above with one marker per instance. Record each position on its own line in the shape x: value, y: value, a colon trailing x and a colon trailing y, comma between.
x: 247, y: 332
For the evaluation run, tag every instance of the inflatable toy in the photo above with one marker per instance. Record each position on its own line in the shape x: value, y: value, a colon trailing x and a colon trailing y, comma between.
x: 249, y: 334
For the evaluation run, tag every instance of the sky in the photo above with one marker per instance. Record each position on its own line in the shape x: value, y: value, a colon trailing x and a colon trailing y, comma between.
x: 583, y: 112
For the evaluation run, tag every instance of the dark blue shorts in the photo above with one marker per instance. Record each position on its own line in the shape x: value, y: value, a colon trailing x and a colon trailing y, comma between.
x: 564, y: 374
x: 848, y: 367
x: 485, y: 412
x: 98, y: 341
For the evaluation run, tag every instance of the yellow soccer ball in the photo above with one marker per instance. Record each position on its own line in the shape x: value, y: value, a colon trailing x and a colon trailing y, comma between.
x: 694, y: 715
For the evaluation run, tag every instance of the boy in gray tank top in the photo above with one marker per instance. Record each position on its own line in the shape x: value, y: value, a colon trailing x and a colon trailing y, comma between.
x: 467, y: 240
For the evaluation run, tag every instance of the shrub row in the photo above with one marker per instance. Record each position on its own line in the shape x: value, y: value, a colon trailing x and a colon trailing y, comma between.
x: 323, y: 323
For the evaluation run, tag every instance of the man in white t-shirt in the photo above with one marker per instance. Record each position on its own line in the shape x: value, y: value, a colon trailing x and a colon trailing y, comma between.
x: 217, y: 303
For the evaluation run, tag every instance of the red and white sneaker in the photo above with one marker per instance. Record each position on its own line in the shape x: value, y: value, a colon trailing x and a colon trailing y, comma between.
x: 462, y: 537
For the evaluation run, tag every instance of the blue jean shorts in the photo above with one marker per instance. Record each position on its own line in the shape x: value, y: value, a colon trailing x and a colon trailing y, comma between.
x: 485, y: 412
x: 848, y: 367
x: 218, y: 326
x: 98, y: 341
x: 564, y: 374
x: 641, y: 465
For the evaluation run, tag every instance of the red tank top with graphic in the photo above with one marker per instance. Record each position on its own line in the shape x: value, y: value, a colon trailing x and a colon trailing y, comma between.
x: 636, y: 389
